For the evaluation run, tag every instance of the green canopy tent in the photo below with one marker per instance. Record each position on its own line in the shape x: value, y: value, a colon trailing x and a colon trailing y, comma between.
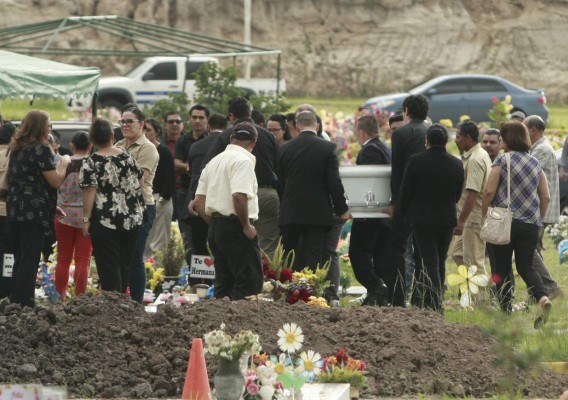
x: 25, y: 76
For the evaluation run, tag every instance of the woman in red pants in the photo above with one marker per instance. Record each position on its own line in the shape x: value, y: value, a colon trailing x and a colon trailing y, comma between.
x: 71, y: 244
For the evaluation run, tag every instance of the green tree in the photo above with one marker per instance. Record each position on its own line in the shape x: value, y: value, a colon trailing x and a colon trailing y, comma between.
x: 175, y: 102
x: 215, y: 86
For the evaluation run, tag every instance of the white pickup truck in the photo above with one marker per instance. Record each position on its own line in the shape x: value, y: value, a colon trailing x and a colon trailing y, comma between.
x: 156, y: 77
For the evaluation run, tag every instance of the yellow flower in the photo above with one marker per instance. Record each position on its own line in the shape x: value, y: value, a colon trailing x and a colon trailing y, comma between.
x: 468, y: 282
x: 447, y: 122
x: 465, y: 118
x: 290, y: 338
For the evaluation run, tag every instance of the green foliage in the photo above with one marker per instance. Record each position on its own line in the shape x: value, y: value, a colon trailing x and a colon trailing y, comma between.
x: 172, y: 257
x: 215, y: 86
x: 509, y: 359
x: 343, y: 375
x: 345, y: 282
x: 178, y: 102
x: 280, y: 260
x: 269, y: 105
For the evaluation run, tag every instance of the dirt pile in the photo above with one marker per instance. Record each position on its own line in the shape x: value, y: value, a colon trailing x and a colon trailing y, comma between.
x: 108, y: 346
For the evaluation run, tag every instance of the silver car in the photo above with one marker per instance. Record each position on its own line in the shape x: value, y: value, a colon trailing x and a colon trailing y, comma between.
x: 451, y: 96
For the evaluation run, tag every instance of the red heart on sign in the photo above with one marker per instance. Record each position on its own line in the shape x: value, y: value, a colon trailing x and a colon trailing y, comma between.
x: 208, y: 262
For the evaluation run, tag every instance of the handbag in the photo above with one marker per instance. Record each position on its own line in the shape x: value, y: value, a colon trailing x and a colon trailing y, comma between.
x: 496, y: 228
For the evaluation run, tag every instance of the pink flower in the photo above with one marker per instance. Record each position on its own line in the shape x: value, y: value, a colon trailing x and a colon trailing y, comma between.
x: 252, y: 388
x: 494, y: 100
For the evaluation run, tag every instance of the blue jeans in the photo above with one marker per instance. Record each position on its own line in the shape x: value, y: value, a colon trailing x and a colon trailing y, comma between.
x: 138, y: 271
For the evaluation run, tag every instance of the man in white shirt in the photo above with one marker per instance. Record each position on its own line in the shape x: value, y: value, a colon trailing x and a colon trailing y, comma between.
x: 226, y: 198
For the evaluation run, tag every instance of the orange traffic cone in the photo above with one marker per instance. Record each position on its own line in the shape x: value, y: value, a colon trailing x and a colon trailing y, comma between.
x: 196, y: 386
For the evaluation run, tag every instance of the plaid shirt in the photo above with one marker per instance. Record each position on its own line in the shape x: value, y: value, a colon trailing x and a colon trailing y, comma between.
x: 525, y: 176
x: 542, y: 150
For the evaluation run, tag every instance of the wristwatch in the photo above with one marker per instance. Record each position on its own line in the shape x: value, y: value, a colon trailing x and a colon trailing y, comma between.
x: 86, y: 219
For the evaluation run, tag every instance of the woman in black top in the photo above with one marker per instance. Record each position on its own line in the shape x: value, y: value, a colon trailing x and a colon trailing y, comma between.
x: 112, y: 206
x: 431, y: 186
x: 31, y: 174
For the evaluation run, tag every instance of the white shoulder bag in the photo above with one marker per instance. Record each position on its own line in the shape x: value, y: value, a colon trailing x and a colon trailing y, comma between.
x: 496, y: 228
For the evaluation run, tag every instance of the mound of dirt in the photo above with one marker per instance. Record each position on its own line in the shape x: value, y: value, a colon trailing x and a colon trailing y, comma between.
x: 107, y: 346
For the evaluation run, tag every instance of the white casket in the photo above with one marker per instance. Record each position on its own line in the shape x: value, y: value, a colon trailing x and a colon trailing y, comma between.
x: 367, y: 188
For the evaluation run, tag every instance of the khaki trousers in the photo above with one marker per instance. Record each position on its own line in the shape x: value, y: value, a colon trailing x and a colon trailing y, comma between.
x: 469, y: 249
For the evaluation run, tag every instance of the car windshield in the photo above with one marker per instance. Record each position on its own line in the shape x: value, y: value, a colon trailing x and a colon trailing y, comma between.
x: 420, y: 88
x: 134, y: 70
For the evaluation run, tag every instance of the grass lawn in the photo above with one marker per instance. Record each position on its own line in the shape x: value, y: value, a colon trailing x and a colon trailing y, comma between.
x: 550, y: 342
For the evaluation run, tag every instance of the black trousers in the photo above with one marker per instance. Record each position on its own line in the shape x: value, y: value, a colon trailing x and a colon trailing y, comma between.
x: 395, y: 277
x: 28, y: 244
x: 307, y: 242
x: 6, y: 248
x: 524, y: 239
x: 367, y: 251
x: 114, y: 252
x: 238, y: 266
x: 433, y: 243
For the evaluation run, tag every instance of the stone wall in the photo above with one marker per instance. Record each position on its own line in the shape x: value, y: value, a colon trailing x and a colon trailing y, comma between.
x: 352, y: 47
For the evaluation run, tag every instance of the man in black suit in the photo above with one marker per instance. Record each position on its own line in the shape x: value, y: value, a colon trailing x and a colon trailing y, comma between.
x: 367, y: 246
x: 216, y: 123
x: 431, y: 187
x: 309, y: 178
x: 266, y: 153
x: 407, y: 141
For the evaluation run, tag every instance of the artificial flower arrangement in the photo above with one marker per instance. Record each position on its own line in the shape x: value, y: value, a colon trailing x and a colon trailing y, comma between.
x: 500, y: 111
x: 278, y: 376
x: 46, y: 278
x: 558, y: 232
x: 307, y: 284
x: 220, y: 343
x: 277, y: 272
x: 341, y: 368
x: 468, y: 282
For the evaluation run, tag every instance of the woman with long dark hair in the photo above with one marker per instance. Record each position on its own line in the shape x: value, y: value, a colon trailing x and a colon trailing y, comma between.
x: 277, y: 125
x: 30, y: 210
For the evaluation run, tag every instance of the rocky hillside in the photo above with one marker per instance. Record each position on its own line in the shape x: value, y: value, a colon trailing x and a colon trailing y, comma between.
x: 355, y: 47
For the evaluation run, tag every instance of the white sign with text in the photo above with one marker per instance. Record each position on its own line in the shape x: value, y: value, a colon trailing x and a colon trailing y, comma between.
x: 202, y: 267
x: 7, y: 265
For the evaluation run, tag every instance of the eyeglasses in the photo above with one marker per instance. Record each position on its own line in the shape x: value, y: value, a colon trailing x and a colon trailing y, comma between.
x: 174, y: 121
x: 127, y: 121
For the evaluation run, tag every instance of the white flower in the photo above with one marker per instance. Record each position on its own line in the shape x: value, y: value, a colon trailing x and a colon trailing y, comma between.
x: 290, y: 338
x: 468, y: 282
x: 312, y: 363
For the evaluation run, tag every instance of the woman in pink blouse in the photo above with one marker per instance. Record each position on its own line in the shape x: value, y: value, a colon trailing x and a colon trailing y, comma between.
x: 69, y: 228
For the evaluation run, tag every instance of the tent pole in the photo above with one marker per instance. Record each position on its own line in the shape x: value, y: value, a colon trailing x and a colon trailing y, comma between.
x: 278, y: 76
x: 94, y: 106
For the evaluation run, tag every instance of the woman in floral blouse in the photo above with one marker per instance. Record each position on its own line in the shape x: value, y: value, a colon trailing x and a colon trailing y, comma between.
x: 112, y: 206
x: 31, y: 173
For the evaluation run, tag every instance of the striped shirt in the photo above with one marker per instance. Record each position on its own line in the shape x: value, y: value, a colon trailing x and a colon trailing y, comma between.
x: 525, y: 177
x: 542, y: 150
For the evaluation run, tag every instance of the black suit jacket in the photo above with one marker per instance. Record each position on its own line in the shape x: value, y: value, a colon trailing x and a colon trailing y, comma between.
x: 308, y: 172
x: 431, y: 187
x: 374, y: 152
x: 165, y: 178
x: 265, y: 151
x: 195, y: 158
x: 407, y: 141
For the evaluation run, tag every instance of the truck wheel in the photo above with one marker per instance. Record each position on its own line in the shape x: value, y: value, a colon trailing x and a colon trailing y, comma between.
x: 111, y: 103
